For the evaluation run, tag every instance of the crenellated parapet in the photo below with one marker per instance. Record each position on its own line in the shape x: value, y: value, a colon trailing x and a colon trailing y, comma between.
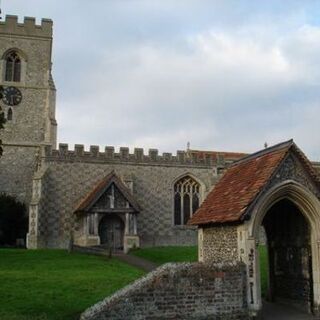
x: 28, y: 28
x: 109, y: 155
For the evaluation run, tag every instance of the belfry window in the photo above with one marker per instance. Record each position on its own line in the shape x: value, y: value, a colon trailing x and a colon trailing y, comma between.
x: 13, y: 67
x: 186, y: 199
x: 9, y: 114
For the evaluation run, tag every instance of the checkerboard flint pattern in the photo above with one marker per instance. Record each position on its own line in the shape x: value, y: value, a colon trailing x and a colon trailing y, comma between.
x: 65, y: 184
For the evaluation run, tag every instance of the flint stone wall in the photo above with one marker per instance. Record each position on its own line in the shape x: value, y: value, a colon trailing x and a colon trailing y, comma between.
x: 67, y: 181
x: 179, y: 291
x: 219, y: 244
x: 17, y: 166
x: 33, y: 120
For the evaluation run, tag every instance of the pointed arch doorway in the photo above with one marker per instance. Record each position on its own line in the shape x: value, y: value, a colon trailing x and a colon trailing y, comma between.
x: 290, y: 279
x: 290, y: 214
x: 111, y: 232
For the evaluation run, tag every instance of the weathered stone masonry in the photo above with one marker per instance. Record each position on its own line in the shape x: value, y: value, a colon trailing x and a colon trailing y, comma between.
x: 33, y: 120
x: 179, y: 291
x: 69, y: 175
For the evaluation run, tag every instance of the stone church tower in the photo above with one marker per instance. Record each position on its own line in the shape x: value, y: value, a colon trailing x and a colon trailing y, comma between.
x: 28, y: 101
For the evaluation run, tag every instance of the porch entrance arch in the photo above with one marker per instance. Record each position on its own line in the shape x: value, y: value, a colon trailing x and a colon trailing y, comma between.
x: 289, y: 255
x: 290, y: 215
x: 108, y: 214
x: 277, y: 187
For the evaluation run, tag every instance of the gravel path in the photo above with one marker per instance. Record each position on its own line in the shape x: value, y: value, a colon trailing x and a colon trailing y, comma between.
x: 136, y: 262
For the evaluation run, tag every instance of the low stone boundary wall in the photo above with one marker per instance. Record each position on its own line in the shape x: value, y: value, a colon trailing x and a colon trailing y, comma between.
x: 179, y: 291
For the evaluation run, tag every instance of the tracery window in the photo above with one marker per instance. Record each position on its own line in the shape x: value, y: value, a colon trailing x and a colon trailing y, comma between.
x: 13, y: 67
x: 186, y: 199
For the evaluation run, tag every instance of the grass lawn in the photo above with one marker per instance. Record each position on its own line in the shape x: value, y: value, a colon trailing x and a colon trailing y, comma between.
x: 53, y: 284
x: 264, y: 266
x: 160, y: 255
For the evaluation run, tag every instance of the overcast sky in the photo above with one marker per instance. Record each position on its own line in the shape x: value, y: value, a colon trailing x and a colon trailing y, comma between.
x: 224, y: 75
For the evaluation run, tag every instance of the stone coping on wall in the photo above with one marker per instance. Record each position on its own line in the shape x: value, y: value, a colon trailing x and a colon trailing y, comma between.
x: 94, y: 154
x: 182, y: 158
x: 202, y: 285
x: 28, y: 28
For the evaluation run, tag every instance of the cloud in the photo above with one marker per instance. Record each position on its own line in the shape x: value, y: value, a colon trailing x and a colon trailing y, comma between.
x: 223, y: 88
x: 222, y: 75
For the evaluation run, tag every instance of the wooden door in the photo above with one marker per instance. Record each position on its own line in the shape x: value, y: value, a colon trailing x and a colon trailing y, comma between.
x: 111, y: 231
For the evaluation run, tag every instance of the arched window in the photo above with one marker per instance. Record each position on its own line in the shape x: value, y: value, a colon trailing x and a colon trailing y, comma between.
x: 186, y: 199
x: 13, y: 67
x: 9, y: 114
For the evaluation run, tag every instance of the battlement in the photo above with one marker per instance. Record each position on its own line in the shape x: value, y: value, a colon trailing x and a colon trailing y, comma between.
x: 63, y: 153
x: 28, y: 28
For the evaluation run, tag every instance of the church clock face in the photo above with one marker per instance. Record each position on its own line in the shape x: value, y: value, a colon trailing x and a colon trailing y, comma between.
x: 12, y: 96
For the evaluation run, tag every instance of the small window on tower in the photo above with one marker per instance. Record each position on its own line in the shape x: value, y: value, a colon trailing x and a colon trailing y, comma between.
x: 13, y: 67
x: 9, y: 115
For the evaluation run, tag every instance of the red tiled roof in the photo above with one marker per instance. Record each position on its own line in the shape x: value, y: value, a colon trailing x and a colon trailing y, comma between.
x: 242, y: 183
x: 93, y: 196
